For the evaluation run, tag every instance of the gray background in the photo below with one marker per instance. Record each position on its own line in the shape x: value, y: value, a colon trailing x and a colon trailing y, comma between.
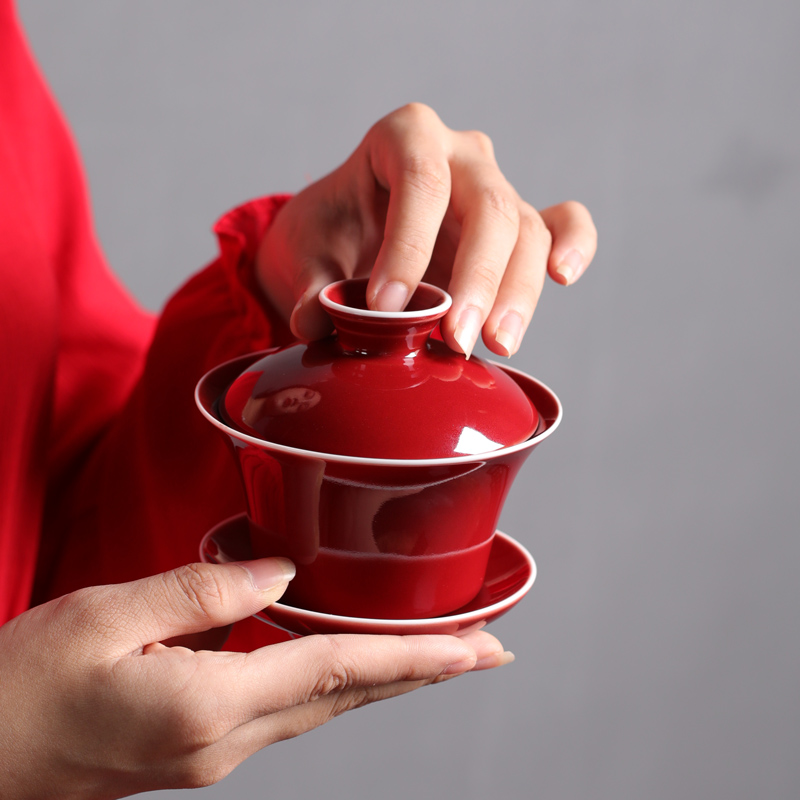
x: 658, y: 653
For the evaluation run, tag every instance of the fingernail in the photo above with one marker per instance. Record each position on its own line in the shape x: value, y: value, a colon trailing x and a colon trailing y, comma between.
x: 509, y: 332
x: 266, y: 573
x: 468, y: 329
x: 458, y: 667
x: 570, y: 266
x: 391, y: 297
x: 494, y: 660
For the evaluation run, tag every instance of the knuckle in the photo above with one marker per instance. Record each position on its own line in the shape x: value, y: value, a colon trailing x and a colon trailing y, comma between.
x: 411, y: 250
x: 501, y: 204
x: 356, y: 698
x: 195, y: 735
x: 528, y: 289
x: 410, y: 117
x: 190, y: 730
x: 200, y: 588
x: 90, y: 610
x: 482, y: 142
x: 337, y: 676
x: 484, y: 281
x: 418, y: 114
x: 532, y: 227
x: 427, y: 174
x: 78, y: 605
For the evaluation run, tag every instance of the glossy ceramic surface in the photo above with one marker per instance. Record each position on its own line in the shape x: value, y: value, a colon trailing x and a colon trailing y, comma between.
x: 388, y: 538
x: 509, y: 576
x: 380, y: 388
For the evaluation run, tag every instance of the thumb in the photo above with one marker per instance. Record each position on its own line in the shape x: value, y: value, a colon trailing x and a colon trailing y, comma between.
x: 309, y: 320
x: 197, y: 597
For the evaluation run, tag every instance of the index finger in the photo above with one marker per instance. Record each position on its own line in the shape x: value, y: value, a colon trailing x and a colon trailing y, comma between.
x: 408, y: 158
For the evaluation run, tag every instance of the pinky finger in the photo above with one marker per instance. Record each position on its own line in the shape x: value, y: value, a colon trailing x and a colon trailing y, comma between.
x: 574, y: 241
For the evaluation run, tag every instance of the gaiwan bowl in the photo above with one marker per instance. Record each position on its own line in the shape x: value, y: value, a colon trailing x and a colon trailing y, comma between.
x: 377, y: 459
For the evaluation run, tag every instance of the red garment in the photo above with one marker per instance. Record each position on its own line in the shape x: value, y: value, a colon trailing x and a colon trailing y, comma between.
x: 107, y: 471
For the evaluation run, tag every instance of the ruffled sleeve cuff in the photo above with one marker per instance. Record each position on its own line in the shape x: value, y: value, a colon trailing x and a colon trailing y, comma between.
x: 239, y: 233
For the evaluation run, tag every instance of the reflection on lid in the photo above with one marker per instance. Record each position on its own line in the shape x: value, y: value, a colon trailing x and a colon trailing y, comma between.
x: 472, y: 442
x: 285, y: 401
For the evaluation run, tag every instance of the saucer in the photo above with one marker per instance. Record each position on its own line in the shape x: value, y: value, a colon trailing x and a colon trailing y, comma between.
x: 509, y: 576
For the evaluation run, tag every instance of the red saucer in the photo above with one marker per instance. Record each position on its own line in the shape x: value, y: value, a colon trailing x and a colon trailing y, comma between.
x: 509, y: 576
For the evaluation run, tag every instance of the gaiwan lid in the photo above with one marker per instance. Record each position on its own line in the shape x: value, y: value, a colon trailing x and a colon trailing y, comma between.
x: 380, y: 387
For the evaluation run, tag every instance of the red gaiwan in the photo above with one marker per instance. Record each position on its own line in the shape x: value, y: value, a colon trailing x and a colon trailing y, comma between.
x: 377, y: 459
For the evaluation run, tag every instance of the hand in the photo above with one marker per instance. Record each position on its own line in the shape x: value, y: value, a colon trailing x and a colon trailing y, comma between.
x: 415, y: 200
x: 92, y: 706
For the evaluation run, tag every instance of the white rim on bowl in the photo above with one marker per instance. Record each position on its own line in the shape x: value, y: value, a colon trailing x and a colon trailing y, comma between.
x: 394, y: 462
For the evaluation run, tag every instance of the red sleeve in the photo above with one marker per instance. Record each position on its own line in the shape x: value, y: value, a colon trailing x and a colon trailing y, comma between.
x: 72, y: 341
x: 161, y: 476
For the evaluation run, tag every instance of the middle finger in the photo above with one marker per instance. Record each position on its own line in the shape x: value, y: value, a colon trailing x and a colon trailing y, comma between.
x: 487, y: 207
